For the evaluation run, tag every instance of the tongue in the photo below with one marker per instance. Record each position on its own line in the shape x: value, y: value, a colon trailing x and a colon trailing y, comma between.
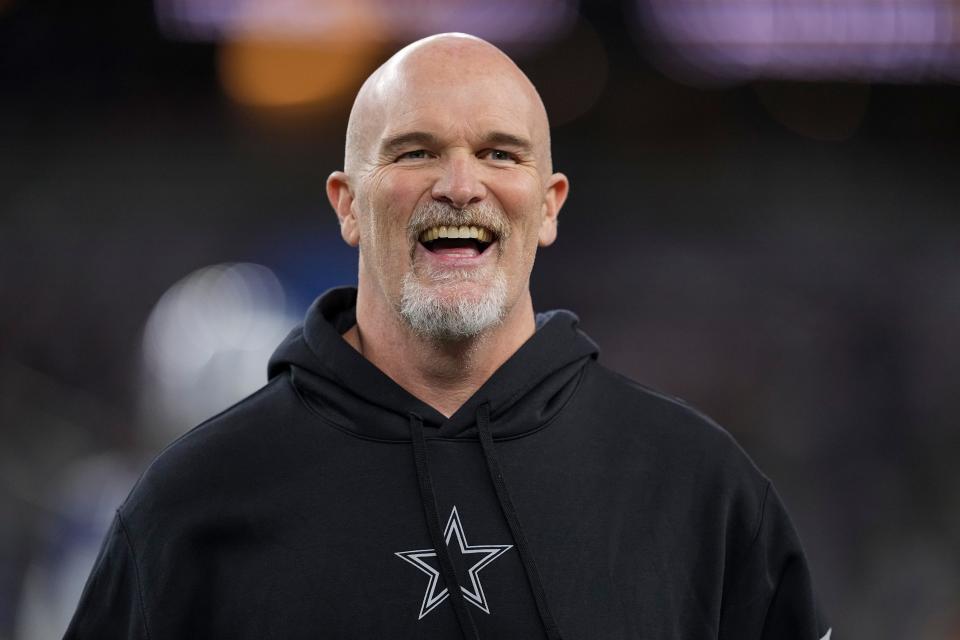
x: 453, y: 247
x: 466, y: 252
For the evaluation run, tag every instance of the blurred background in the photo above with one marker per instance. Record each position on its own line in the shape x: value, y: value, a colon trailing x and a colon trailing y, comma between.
x: 764, y: 220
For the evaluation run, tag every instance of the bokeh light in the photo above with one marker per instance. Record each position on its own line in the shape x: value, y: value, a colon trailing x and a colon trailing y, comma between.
x: 500, y: 21
x: 508, y: 23
x: 735, y: 40
x: 207, y: 342
x: 277, y: 73
x: 312, y: 52
x: 288, y: 55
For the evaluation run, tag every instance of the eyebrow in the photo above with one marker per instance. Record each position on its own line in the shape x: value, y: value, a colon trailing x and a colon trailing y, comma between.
x: 397, y: 142
x: 421, y: 138
x: 501, y: 139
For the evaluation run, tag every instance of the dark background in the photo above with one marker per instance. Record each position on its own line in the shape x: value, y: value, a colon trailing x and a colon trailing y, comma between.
x: 784, y: 254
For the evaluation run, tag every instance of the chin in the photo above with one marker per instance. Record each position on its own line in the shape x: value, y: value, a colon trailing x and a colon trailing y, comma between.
x: 456, y: 310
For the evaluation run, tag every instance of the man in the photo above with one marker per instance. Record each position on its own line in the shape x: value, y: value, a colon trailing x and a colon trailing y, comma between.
x: 431, y: 459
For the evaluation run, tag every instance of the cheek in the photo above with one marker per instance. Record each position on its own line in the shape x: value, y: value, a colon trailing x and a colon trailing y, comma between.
x: 402, y: 188
x: 389, y: 202
x: 522, y: 200
x: 395, y: 199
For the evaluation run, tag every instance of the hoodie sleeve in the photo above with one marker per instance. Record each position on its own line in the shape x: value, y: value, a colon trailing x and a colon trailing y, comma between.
x: 111, y: 605
x: 770, y: 593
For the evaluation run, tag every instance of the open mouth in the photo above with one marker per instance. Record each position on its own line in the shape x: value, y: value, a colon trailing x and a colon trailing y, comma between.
x: 459, y: 240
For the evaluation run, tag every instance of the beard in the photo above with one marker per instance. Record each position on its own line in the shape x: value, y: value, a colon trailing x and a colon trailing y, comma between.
x: 434, y: 310
x: 432, y: 316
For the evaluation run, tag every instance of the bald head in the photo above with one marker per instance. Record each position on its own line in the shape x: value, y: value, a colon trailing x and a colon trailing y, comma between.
x: 450, y: 68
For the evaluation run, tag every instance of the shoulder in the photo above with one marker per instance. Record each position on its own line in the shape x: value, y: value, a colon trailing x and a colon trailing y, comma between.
x: 642, y: 411
x: 215, y: 458
x: 655, y: 428
x: 678, y: 457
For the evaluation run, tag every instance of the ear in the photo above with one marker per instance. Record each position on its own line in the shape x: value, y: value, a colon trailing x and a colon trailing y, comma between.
x: 341, y: 199
x: 556, y: 194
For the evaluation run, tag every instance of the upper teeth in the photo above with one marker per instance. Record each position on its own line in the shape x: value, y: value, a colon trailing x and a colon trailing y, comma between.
x: 479, y: 233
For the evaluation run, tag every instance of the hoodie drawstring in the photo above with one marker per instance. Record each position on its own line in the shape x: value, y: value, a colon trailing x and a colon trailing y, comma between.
x: 510, y: 512
x: 431, y: 510
x: 428, y: 498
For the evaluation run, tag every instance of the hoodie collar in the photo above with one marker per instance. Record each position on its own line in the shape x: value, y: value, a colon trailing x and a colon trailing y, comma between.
x: 347, y: 389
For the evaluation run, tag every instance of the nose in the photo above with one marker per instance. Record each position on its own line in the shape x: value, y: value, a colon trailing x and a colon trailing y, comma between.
x: 460, y: 184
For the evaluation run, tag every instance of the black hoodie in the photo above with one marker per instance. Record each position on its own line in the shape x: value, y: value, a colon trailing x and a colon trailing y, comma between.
x: 562, y: 501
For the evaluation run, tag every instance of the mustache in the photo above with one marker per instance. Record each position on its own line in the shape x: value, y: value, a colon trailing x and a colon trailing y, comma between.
x: 435, y: 213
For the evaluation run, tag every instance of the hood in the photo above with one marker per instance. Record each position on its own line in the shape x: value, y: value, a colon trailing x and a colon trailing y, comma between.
x: 344, y: 387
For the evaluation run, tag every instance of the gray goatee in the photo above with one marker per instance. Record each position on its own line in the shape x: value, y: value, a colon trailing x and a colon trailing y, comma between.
x: 426, y: 312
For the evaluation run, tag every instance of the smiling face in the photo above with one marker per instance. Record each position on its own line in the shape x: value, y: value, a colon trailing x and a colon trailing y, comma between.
x: 448, y: 190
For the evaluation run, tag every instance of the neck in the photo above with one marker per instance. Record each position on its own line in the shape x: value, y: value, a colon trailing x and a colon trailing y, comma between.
x: 443, y: 374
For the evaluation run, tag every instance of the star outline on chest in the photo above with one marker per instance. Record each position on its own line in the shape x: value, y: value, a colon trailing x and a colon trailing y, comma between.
x: 483, y: 554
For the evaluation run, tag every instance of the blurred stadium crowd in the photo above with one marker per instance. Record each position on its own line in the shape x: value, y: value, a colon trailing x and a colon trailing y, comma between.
x: 765, y: 220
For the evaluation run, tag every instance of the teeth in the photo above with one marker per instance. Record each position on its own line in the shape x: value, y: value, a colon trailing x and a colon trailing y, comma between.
x: 479, y: 233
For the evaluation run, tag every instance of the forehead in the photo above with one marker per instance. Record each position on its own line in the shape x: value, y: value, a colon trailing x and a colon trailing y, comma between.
x: 454, y: 97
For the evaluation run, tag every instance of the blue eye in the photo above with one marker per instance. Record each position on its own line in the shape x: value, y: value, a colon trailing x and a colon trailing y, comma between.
x: 418, y: 154
x: 497, y: 154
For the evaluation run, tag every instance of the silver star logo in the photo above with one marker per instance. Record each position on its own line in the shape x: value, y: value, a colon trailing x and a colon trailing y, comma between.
x: 482, y: 554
